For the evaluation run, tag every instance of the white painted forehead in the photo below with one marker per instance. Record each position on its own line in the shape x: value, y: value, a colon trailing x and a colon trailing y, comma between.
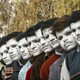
x: 3, y: 47
x: 22, y: 41
x: 75, y: 24
x: 38, y: 33
x: 47, y: 30
x: 11, y: 42
x: 31, y: 38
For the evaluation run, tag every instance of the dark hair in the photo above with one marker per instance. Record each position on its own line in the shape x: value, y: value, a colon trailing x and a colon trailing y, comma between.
x: 21, y: 35
x: 30, y: 32
x: 38, y: 25
x: 61, y: 23
x: 48, y: 23
x: 2, y: 42
x: 75, y: 16
x: 10, y: 36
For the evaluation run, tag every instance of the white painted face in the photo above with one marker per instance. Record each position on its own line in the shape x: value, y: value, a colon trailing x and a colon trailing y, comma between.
x: 5, y: 55
x: 34, y: 45
x: 23, y: 46
x: 50, y: 38
x: 76, y: 31
x: 44, y: 45
x: 13, y: 49
x: 66, y: 39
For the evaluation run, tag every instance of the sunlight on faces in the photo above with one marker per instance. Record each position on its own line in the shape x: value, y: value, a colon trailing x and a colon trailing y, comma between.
x: 34, y: 45
x: 66, y: 39
x: 44, y: 45
x: 76, y: 31
x: 23, y: 46
x: 13, y: 49
x: 50, y: 37
x: 5, y: 55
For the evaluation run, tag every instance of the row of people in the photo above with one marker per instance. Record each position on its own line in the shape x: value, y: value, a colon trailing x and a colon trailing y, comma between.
x: 48, y: 50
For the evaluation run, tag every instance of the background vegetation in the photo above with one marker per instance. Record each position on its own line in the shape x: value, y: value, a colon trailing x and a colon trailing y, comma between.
x: 18, y: 15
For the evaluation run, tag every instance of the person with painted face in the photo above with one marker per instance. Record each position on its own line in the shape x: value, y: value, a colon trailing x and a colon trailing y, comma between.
x: 2, y: 43
x: 55, y: 68
x: 25, y: 61
x: 72, y: 60
x: 15, y: 67
x: 37, y: 52
x: 51, y: 41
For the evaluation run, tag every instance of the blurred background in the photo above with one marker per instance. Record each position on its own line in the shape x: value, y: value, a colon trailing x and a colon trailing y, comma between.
x: 19, y: 15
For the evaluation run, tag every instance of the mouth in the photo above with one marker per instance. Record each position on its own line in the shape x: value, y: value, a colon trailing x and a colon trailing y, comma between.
x: 78, y: 39
x: 67, y: 45
x: 13, y: 56
x: 24, y: 54
x: 45, y: 47
x: 6, y: 61
x: 54, y: 42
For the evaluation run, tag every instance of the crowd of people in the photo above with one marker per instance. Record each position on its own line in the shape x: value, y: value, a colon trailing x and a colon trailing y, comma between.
x: 48, y: 50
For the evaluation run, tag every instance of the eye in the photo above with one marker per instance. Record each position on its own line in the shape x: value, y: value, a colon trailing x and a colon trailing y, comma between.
x: 5, y: 51
x: 19, y: 46
x: 1, y: 54
x: 13, y: 46
x: 34, y: 40
x: 73, y: 30
x: 38, y: 40
x: 47, y: 36
x: 8, y: 48
x: 60, y: 38
x: 68, y: 33
x: 29, y: 43
x: 79, y: 27
x: 26, y: 45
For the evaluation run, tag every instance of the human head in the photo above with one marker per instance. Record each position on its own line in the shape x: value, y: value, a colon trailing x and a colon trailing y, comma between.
x: 74, y: 22
x: 12, y: 44
x: 64, y: 33
x: 23, y: 45
x: 32, y: 42
x: 48, y: 34
x: 4, y: 52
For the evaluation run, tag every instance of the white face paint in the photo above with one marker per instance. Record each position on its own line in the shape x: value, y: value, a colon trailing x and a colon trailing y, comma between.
x: 76, y: 31
x: 34, y: 45
x: 13, y: 49
x: 5, y: 55
x: 66, y: 39
x: 50, y: 38
x: 44, y: 45
x: 23, y: 46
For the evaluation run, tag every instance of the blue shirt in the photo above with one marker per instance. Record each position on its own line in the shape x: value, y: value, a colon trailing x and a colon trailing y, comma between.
x: 23, y: 71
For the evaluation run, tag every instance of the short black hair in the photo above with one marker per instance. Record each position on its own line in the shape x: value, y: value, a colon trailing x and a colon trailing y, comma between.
x: 21, y: 35
x: 10, y: 36
x: 38, y: 25
x: 2, y: 41
x: 75, y: 16
x: 30, y: 32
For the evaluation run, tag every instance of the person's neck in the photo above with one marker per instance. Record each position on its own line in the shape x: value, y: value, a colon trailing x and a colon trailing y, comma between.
x: 59, y: 49
x: 50, y: 53
x: 23, y: 61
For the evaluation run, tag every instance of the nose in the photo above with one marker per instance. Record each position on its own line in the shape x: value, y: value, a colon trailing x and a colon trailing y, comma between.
x: 32, y: 45
x: 42, y: 41
x: 64, y: 39
x: 77, y: 32
x: 11, y: 52
x: 4, y: 56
